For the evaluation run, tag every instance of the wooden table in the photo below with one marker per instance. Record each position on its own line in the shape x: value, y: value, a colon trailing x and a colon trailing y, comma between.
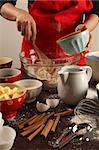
x: 39, y: 143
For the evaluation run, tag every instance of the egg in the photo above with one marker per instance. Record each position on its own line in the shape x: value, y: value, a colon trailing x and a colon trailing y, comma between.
x: 42, y: 107
x: 52, y: 102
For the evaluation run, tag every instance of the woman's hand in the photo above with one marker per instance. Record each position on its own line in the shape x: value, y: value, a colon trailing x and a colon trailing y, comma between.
x: 26, y: 25
x: 81, y: 27
x: 91, y: 41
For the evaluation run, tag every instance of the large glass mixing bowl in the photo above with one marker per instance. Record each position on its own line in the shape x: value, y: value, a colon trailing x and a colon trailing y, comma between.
x: 46, y: 72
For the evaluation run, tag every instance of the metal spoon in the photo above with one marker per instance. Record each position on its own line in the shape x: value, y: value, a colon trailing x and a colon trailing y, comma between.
x: 70, y: 133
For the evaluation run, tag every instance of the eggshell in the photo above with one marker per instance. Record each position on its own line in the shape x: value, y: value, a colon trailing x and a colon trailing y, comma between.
x: 52, y: 102
x: 42, y: 107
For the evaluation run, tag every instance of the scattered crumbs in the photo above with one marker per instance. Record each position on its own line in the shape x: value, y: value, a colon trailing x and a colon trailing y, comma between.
x: 49, y: 142
x: 74, y: 147
x: 87, y: 139
x: 48, y: 112
x: 59, y: 121
x: 81, y: 139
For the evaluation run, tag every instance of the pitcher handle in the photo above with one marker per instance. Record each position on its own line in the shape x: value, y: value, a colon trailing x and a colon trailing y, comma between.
x: 64, y: 76
x: 88, y: 72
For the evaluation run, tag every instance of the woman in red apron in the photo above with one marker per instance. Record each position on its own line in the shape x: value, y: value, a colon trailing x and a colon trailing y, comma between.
x: 51, y: 19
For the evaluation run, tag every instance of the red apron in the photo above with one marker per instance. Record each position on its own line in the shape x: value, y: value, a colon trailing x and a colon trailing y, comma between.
x: 54, y: 19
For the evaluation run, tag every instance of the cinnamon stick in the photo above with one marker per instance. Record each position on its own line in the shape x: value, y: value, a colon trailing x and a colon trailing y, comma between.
x: 21, y: 125
x: 50, y: 114
x: 36, y: 132
x: 33, y: 128
x: 35, y: 124
x: 55, y: 123
x: 65, y: 113
x: 40, y: 119
x: 47, y: 128
x: 34, y: 120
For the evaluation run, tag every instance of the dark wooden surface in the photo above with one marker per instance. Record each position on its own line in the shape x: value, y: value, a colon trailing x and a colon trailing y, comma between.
x: 39, y: 143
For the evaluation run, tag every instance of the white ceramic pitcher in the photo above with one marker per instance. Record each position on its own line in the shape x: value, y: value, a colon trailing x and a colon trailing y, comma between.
x: 73, y: 83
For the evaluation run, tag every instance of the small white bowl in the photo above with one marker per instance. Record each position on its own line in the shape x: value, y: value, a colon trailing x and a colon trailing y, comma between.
x: 92, y: 60
x: 7, y: 137
x: 33, y: 88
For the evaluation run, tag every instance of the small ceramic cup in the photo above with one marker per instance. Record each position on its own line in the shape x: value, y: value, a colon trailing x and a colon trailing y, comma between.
x: 92, y: 60
x: 9, y: 75
x: 7, y: 137
x: 5, y: 62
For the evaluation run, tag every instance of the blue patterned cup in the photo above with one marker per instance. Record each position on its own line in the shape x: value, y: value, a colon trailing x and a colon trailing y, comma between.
x: 74, y: 43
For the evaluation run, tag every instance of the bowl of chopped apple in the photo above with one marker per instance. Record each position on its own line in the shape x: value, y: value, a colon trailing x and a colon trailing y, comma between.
x: 12, y: 97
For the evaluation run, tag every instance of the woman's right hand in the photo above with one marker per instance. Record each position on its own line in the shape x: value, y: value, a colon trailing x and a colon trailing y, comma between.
x: 26, y: 25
